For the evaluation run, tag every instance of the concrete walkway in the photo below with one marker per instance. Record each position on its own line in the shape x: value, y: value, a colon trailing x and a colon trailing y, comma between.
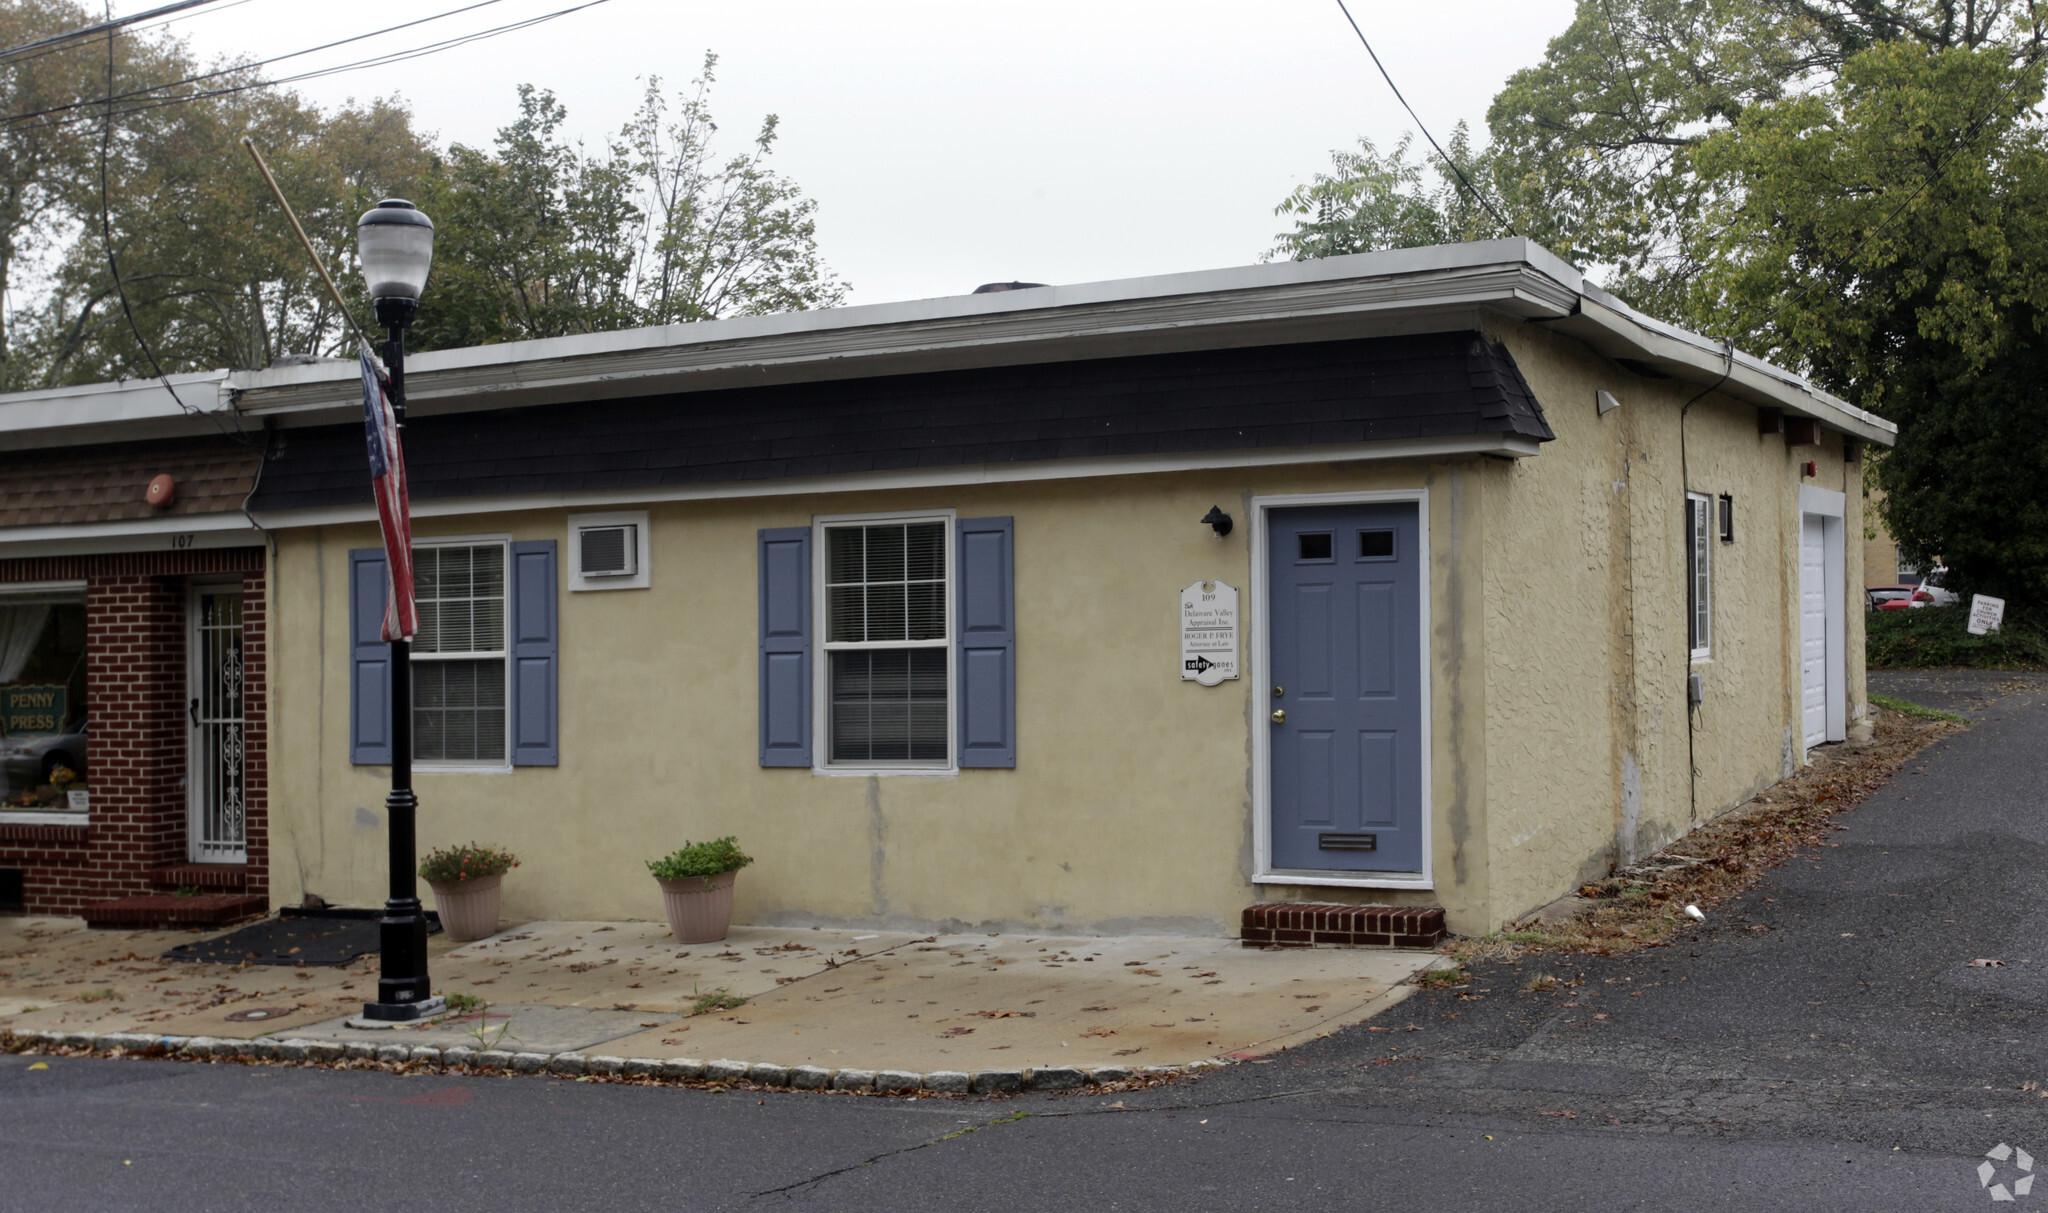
x: 832, y: 999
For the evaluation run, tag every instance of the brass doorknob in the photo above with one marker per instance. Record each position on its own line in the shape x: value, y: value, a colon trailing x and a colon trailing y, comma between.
x: 1279, y: 715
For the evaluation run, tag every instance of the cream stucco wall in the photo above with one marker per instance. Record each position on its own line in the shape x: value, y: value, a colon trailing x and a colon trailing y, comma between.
x: 1128, y: 809
x: 1559, y: 740
x: 1589, y: 752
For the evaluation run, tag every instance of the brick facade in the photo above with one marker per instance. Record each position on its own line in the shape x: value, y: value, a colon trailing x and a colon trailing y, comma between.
x: 1311, y: 924
x: 136, y: 699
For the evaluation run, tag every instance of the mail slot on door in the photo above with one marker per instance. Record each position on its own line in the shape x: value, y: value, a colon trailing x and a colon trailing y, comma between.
x: 1348, y: 842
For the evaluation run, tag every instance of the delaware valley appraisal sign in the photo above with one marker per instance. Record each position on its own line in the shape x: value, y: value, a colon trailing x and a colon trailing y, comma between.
x: 1208, y: 633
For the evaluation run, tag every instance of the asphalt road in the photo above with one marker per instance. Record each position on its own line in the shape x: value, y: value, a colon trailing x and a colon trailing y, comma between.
x: 1823, y: 1042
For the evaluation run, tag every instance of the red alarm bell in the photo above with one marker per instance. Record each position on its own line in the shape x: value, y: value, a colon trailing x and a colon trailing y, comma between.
x: 161, y: 490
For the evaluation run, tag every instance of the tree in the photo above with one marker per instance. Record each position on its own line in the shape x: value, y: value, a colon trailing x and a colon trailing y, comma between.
x: 541, y: 238
x: 1890, y: 237
x: 1374, y: 201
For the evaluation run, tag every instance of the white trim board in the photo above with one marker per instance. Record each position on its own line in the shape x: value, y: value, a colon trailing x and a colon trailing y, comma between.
x: 1499, y: 445
x: 1263, y: 871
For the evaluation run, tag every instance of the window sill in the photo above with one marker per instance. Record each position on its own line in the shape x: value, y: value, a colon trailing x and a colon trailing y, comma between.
x: 865, y: 771
x: 1349, y: 880
x: 459, y: 769
x: 44, y: 817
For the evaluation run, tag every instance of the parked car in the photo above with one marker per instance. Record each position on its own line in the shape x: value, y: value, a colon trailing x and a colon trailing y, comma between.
x: 1888, y: 597
x: 28, y: 761
x: 1937, y: 593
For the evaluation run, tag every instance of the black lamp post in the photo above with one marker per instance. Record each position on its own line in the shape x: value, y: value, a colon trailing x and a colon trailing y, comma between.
x: 395, y: 242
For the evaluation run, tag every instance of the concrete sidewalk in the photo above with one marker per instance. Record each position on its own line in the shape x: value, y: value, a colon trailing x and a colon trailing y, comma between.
x: 831, y: 999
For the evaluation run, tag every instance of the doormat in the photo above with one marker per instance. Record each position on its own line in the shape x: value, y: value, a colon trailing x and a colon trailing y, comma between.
x: 294, y: 937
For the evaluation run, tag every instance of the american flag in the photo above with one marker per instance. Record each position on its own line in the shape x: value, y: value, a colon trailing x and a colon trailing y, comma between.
x: 394, y: 513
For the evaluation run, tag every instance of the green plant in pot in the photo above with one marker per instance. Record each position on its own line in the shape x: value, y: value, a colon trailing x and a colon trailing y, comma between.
x: 696, y: 887
x: 467, y: 881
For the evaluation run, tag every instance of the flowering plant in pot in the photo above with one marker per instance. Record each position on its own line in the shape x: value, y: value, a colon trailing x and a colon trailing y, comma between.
x: 696, y: 887
x: 466, y: 882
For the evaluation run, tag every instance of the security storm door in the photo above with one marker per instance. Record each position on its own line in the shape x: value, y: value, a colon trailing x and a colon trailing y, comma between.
x: 215, y: 775
x: 1345, y: 707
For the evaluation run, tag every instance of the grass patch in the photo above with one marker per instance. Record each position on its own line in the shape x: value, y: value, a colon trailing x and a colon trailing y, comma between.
x: 1892, y: 704
x: 97, y: 995
x: 720, y: 999
x: 1937, y: 637
x: 464, y: 1002
x: 1437, y: 979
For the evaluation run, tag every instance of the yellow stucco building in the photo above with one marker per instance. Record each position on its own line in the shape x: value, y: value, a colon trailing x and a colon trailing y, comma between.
x: 1433, y: 577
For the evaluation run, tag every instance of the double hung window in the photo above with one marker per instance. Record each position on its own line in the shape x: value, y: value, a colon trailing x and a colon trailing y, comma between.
x: 1699, y: 526
x: 888, y: 644
x: 458, y: 657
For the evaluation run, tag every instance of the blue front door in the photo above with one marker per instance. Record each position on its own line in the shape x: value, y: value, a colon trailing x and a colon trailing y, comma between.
x: 1345, y: 707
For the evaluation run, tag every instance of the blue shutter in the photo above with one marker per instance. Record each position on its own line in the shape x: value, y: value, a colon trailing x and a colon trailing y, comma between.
x: 536, y: 673
x: 369, y: 680
x: 785, y: 569
x: 987, y: 662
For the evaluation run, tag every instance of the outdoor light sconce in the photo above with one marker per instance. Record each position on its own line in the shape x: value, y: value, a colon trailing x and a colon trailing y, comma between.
x: 1218, y: 520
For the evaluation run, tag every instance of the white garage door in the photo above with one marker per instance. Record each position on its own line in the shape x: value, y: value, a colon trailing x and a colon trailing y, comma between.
x: 1813, y: 629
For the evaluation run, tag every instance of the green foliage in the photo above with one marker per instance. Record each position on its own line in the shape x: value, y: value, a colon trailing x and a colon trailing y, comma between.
x: 460, y: 1003
x: 1373, y: 200
x: 1938, y: 637
x: 706, y: 859
x: 1891, y: 704
x: 539, y: 238
x: 454, y: 865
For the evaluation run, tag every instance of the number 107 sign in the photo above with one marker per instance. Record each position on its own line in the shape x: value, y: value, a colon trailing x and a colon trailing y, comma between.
x: 1208, y: 633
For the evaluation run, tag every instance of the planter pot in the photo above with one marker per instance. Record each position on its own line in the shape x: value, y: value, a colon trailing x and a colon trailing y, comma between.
x: 699, y: 907
x: 469, y: 908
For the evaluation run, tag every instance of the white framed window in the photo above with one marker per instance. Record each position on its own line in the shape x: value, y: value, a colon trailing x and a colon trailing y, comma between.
x: 608, y: 551
x: 1699, y: 582
x: 885, y: 674
x: 459, y: 694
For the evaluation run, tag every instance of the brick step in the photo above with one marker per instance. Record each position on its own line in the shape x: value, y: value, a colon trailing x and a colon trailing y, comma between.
x: 166, y: 910
x: 1300, y: 924
x: 201, y: 876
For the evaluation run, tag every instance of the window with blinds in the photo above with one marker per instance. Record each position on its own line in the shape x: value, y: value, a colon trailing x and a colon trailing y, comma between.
x: 888, y: 657
x: 458, y: 657
x: 1699, y: 526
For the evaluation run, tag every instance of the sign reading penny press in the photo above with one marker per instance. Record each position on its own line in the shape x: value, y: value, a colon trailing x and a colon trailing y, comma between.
x: 1208, y: 633
x: 33, y: 709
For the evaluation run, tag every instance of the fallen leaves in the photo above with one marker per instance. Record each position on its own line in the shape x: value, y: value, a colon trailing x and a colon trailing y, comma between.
x: 1981, y: 963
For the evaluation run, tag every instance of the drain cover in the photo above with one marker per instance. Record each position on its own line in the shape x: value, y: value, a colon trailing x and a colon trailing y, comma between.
x: 260, y: 1013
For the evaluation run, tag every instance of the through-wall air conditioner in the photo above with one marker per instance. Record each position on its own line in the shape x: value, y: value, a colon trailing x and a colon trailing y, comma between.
x: 608, y: 551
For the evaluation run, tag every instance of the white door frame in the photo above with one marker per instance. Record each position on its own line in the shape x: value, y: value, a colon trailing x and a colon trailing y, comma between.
x: 1262, y: 678
x: 1832, y: 510
x: 195, y: 787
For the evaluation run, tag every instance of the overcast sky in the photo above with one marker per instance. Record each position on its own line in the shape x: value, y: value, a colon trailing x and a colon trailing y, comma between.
x: 949, y: 143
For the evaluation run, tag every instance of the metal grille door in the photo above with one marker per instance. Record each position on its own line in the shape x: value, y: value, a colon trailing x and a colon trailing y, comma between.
x: 215, y: 772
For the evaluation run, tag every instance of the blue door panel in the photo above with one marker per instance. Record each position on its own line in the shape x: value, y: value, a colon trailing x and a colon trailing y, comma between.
x: 1346, y: 656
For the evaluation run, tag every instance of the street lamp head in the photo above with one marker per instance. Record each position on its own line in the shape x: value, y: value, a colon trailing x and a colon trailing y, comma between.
x: 395, y: 241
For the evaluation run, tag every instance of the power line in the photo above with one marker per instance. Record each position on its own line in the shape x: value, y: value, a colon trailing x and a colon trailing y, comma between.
x: 418, y: 52
x: 108, y: 26
x: 17, y: 60
x: 243, y: 67
x: 1462, y: 179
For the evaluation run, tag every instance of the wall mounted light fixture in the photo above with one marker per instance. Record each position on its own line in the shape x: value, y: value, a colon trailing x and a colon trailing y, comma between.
x: 1218, y: 520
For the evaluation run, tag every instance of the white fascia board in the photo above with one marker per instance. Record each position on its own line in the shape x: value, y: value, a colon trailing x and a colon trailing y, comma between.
x: 171, y: 534
x: 1618, y: 330
x: 115, y: 412
x: 1500, y: 446
x: 1334, y: 297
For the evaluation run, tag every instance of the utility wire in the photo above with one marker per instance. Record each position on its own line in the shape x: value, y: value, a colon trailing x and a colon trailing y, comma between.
x: 244, y: 67
x: 108, y: 26
x: 360, y: 64
x: 114, y: 264
x: 9, y: 59
x: 1462, y: 179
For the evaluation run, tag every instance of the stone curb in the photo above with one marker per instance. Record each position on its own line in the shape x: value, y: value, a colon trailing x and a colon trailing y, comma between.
x: 575, y: 1064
